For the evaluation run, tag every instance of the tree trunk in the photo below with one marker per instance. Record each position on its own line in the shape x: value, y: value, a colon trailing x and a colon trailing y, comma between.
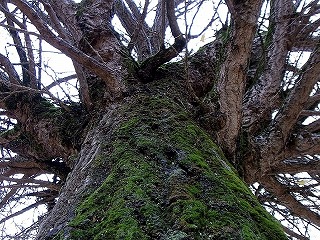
x: 147, y: 170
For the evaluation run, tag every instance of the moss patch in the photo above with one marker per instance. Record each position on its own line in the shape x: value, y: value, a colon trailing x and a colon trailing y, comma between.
x: 168, y: 180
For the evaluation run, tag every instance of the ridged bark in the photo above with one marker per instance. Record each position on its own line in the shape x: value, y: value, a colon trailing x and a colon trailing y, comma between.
x: 147, y: 170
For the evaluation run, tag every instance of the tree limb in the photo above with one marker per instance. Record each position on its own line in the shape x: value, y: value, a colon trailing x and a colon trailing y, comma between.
x: 61, y: 80
x: 264, y: 96
x: 288, y: 115
x: 297, y: 166
x: 18, y: 44
x: 65, y: 11
x: 307, y: 144
x: 148, y: 67
x: 9, y: 69
x: 234, y: 70
x: 294, y: 234
x: 281, y: 193
x: 100, y: 69
x: 34, y: 205
x: 312, y: 127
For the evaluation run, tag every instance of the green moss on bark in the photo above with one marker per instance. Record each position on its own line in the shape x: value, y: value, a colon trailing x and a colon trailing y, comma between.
x: 168, y: 180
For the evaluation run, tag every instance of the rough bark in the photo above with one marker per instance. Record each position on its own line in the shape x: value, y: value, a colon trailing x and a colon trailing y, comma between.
x: 147, y: 170
x: 258, y: 107
x: 137, y: 157
x: 233, y: 72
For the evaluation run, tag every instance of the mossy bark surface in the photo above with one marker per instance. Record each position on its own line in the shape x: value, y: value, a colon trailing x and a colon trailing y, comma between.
x: 151, y: 172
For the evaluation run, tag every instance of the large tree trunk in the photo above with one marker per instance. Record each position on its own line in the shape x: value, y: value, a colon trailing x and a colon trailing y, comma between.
x: 147, y: 170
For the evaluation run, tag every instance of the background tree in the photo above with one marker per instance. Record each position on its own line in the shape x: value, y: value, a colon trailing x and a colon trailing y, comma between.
x: 124, y: 149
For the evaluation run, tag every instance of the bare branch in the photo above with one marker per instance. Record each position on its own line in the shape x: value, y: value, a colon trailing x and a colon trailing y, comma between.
x: 281, y: 193
x: 19, y: 30
x: 264, y: 96
x: 139, y: 26
x: 32, y: 182
x: 148, y: 67
x: 308, y: 144
x: 299, y: 96
x: 313, y: 127
x: 92, y: 64
x: 32, y: 65
x: 10, y: 70
x: 309, y: 113
x: 84, y: 89
x: 233, y: 71
x: 66, y: 10
x: 134, y: 9
x: 61, y: 80
x: 54, y: 19
x: 34, y: 205
x: 294, y: 234
x: 297, y: 165
x: 125, y: 17
x: 18, y: 45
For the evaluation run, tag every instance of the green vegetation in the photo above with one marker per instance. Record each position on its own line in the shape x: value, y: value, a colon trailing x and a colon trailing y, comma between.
x: 168, y: 180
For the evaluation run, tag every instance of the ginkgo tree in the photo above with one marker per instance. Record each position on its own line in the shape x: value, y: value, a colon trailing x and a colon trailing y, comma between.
x: 114, y: 121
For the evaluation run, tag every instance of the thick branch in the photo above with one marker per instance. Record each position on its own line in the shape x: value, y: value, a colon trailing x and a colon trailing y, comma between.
x: 134, y: 9
x: 299, y: 96
x: 313, y: 127
x: 65, y: 11
x: 308, y: 144
x: 84, y: 88
x: 264, y: 96
x: 273, y: 145
x: 125, y: 17
x: 18, y: 45
x: 148, y: 67
x: 281, y: 193
x: 294, y: 234
x: 32, y: 65
x: 55, y: 21
x: 234, y: 70
x: 100, y: 69
x: 297, y: 166
x: 10, y: 70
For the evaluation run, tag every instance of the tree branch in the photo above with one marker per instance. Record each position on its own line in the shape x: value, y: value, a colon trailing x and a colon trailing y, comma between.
x: 18, y: 44
x: 100, y: 69
x: 84, y: 88
x: 34, y: 205
x: 32, y: 65
x: 288, y: 115
x: 134, y: 9
x: 55, y: 21
x: 65, y: 11
x: 308, y: 144
x: 139, y: 26
x: 281, y: 193
x: 32, y: 182
x: 297, y: 165
x: 61, y: 80
x: 9, y: 69
x: 234, y: 70
x: 294, y: 234
x: 148, y: 67
x: 263, y: 98
x: 312, y: 127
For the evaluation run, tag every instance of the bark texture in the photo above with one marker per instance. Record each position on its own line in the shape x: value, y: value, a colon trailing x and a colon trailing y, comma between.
x: 147, y: 170
x: 134, y: 154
